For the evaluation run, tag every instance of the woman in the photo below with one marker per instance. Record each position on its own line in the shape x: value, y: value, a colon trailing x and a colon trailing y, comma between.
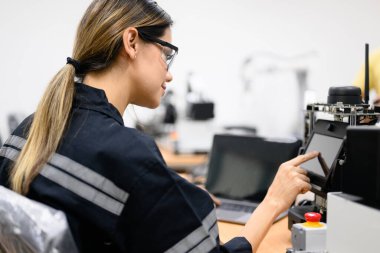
x: 75, y: 154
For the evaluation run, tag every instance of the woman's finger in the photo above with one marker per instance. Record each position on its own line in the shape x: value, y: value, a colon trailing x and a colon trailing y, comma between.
x: 304, y: 178
x: 300, y: 170
x: 302, y: 158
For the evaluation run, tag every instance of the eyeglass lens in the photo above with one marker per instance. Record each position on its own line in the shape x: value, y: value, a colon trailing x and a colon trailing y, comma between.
x: 168, y: 55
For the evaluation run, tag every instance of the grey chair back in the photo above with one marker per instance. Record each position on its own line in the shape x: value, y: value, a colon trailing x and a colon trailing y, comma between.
x: 30, y: 227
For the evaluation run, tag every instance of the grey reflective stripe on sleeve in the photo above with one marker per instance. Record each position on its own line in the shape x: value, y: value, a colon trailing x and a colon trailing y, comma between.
x: 9, y: 153
x: 92, y: 180
x: 89, y: 176
x: 85, y: 191
x: 214, y: 233
x: 205, y: 246
x: 210, y: 223
x: 200, y: 239
x: 15, y: 141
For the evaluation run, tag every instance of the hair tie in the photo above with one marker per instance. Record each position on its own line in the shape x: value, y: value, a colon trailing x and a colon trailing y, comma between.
x: 74, y: 63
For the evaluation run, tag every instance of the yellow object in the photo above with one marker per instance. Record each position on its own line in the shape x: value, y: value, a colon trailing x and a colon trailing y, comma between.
x: 310, y: 224
x: 374, y: 74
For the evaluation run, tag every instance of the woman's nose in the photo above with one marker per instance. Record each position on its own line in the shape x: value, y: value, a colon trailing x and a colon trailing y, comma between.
x: 168, y: 77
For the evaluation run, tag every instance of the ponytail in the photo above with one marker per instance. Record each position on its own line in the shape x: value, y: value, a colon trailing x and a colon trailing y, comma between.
x: 98, y: 42
x: 46, y: 130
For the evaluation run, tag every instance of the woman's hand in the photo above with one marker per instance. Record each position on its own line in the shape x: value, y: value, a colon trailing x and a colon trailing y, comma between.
x: 289, y: 181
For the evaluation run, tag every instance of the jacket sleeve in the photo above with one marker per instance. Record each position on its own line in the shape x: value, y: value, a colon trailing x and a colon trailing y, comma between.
x: 237, y: 245
x: 165, y: 213
x: 10, y: 150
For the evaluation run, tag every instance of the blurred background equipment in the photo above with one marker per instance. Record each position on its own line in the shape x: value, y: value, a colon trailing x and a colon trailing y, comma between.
x: 344, y: 108
x: 14, y: 119
x: 192, y: 130
x: 273, y: 94
x: 361, y: 176
x: 197, y: 106
x: 162, y: 120
x: 170, y: 115
x: 373, y: 69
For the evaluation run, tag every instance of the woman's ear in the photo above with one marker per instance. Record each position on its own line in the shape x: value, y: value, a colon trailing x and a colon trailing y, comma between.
x: 130, y: 39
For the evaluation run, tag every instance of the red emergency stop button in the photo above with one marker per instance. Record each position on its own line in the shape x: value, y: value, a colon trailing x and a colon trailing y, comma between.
x: 313, y: 217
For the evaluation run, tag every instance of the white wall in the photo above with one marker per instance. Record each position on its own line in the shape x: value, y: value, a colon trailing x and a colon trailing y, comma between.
x: 35, y: 39
x: 215, y: 37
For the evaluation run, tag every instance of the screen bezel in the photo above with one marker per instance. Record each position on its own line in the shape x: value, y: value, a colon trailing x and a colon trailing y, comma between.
x: 331, y: 129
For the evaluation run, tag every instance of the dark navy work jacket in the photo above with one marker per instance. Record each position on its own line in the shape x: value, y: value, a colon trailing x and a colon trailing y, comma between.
x: 115, y: 188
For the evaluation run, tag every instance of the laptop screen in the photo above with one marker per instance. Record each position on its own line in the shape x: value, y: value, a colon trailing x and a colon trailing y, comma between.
x: 243, y: 167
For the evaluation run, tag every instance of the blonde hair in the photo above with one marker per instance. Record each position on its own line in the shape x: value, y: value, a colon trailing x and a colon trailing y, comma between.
x: 98, y: 41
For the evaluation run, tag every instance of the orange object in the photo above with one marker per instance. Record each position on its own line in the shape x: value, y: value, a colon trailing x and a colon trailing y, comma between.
x: 173, y: 136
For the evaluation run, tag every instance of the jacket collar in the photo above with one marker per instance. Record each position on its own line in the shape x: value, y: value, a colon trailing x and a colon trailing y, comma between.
x: 94, y: 99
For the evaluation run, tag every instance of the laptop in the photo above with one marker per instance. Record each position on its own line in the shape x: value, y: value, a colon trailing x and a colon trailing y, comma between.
x: 241, y: 169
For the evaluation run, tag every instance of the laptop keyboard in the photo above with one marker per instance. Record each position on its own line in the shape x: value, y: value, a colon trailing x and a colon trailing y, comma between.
x: 237, y: 207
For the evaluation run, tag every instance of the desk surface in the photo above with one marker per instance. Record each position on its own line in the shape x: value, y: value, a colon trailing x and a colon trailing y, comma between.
x: 182, y: 161
x: 276, y: 241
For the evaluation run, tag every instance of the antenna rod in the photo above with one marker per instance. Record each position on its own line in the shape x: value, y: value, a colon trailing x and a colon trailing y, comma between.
x: 366, y: 75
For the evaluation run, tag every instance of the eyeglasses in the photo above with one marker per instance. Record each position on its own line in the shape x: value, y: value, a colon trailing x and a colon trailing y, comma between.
x: 169, y: 51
